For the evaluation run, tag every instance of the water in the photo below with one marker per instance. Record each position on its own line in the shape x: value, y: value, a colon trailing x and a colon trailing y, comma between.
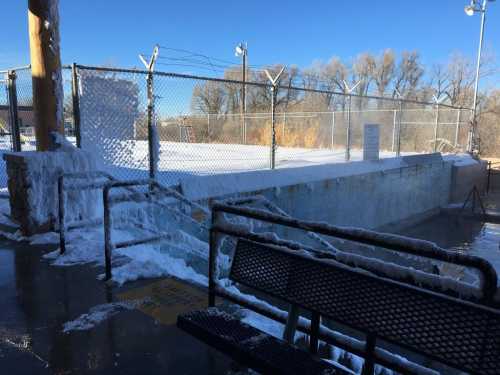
x: 463, y: 235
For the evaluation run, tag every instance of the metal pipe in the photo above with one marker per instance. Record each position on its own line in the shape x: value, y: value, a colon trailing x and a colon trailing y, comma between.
x: 333, y: 129
x: 394, y: 131
x: 398, y: 147
x: 13, y: 111
x: 389, y: 241
x: 244, y: 92
x: 151, y: 150
x: 62, y: 216
x: 314, y: 336
x: 272, y: 159
x: 212, y: 259
x: 457, y: 129
x: 108, y: 246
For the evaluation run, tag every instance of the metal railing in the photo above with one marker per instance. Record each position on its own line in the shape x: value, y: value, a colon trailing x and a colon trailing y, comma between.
x: 156, y: 192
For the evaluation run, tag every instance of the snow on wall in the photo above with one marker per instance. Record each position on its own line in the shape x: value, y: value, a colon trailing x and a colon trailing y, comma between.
x: 108, y: 126
x: 41, y: 173
x: 51, y: 25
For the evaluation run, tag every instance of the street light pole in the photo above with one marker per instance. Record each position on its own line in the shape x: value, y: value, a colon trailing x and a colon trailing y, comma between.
x: 241, y: 50
x: 474, y: 7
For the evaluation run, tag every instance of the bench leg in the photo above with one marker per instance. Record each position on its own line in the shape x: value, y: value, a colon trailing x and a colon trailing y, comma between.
x: 291, y: 324
x: 369, y: 365
x: 314, y: 337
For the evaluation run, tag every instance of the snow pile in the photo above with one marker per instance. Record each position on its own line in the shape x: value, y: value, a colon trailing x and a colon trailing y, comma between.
x: 41, y: 175
x: 98, y: 314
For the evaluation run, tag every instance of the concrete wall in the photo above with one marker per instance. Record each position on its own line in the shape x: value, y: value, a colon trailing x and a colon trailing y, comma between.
x: 361, y: 198
x: 466, y: 175
x: 370, y: 200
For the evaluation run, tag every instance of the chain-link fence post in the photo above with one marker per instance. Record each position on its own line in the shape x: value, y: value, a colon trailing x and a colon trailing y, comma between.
x: 394, y: 129
x: 150, y: 115
x: 208, y: 128
x: 457, y: 127
x: 348, y: 136
x: 436, y: 128
x: 333, y: 130
x: 272, y: 159
x: 76, y: 104
x: 398, y: 138
x: 13, y: 111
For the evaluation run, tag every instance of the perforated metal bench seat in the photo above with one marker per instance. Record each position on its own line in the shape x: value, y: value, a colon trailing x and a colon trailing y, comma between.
x: 250, y: 346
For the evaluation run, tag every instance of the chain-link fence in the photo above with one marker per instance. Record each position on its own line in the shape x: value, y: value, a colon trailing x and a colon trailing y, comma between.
x: 5, y: 133
x: 198, y: 126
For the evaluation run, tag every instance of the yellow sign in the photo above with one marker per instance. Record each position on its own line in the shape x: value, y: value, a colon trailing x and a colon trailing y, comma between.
x: 165, y: 299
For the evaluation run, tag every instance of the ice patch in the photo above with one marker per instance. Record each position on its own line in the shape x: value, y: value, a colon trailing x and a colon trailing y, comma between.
x: 97, y: 314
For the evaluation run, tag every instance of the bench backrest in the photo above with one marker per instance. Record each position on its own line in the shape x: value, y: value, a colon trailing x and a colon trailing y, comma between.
x: 454, y: 332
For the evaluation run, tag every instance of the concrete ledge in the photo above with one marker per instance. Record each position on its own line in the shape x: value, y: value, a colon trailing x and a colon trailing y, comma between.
x: 32, y: 184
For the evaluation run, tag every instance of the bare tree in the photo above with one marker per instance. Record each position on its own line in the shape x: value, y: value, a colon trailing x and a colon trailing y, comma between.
x: 408, y: 74
x: 209, y: 98
x: 383, y: 71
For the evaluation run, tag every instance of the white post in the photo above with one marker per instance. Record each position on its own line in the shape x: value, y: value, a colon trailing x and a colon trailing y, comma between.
x: 457, y: 128
x: 394, y: 130
x: 333, y: 128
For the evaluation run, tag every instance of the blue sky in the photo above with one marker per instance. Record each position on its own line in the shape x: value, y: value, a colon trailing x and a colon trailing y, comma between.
x: 113, y: 32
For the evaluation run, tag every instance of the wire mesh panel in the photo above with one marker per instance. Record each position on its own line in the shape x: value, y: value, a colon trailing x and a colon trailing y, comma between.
x: 5, y: 134
x: 113, y: 120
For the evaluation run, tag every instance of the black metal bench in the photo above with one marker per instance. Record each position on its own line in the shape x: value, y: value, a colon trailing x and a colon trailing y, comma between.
x: 459, y: 333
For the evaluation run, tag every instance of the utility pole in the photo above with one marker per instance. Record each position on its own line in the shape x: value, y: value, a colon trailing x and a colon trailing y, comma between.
x: 242, y: 50
x: 476, y: 7
x: 43, y: 18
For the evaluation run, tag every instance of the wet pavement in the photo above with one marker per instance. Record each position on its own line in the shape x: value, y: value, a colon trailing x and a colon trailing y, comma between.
x: 36, y: 299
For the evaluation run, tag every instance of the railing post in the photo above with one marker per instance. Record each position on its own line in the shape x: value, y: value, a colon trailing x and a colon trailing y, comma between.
x: 369, y: 365
x: 457, y: 129
x: 62, y: 216
x: 212, y: 259
x: 272, y: 159
x: 13, y: 114
x: 333, y: 129
x: 436, y: 128
x: 76, y: 105
x: 348, y: 137
x: 108, y: 246
x: 314, y: 336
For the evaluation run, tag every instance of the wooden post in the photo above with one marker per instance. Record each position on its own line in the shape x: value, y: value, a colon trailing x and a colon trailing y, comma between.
x: 46, y: 73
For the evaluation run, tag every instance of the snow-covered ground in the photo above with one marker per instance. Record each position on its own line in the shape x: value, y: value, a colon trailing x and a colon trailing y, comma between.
x: 129, y: 159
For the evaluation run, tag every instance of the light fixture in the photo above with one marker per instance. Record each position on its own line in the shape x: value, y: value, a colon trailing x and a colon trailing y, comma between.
x: 469, y: 10
x: 239, y: 50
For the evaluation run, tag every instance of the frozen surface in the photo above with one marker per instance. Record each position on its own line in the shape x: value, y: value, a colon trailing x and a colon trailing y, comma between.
x: 98, y: 314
